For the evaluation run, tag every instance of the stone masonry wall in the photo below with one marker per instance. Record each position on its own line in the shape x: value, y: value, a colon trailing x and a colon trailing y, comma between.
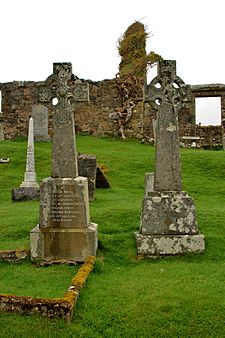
x: 97, y: 117
x: 210, y: 136
x: 100, y: 115
x: 17, y: 100
x: 93, y: 117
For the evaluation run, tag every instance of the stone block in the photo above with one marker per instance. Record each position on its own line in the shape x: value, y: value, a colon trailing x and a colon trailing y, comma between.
x: 87, y: 167
x: 65, y: 232
x: 52, y: 244
x: 25, y: 193
x: 149, y: 183
x: 159, y: 245
x: 64, y: 203
x: 168, y: 213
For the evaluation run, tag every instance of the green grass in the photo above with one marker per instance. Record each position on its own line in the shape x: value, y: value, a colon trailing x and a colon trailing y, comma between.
x: 124, y: 297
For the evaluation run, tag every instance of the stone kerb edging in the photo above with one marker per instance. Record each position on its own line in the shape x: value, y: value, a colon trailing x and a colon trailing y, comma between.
x: 14, y: 255
x: 50, y: 307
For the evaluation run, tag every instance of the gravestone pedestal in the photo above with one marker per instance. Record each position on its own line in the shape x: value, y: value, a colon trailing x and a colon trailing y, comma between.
x: 65, y: 231
x: 168, y: 224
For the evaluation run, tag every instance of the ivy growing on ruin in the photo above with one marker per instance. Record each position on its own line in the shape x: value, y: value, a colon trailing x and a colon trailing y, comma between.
x: 132, y: 70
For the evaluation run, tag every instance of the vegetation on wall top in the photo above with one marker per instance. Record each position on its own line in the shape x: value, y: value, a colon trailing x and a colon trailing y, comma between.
x: 132, y: 49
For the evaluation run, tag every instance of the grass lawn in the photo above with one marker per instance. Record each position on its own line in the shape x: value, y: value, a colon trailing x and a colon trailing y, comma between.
x: 124, y: 297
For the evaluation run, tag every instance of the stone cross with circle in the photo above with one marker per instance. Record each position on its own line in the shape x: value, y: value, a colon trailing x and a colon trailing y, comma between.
x: 61, y: 92
x: 167, y: 93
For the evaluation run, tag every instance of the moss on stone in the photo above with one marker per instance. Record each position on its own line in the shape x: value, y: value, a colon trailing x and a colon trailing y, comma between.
x: 50, y: 307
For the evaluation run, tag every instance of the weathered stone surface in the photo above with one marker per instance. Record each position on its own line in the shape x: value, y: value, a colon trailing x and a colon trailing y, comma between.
x: 29, y: 188
x: 50, y: 307
x: 159, y: 245
x: 87, y: 167
x: 209, y: 136
x: 166, y: 93
x: 64, y: 203
x: 14, y: 255
x: 61, y: 92
x: 40, y: 117
x: 30, y: 175
x: 69, y: 244
x: 19, y: 97
x: 168, y: 221
x: 25, y: 193
x: 64, y: 231
x: 149, y: 183
x: 168, y: 213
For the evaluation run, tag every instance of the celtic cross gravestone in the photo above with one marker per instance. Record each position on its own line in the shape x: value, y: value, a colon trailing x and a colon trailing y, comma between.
x: 168, y: 221
x: 61, y: 92
x: 65, y: 231
x: 167, y: 93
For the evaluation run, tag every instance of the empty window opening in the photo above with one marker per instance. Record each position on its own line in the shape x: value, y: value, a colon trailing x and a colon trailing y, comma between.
x: 208, y: 111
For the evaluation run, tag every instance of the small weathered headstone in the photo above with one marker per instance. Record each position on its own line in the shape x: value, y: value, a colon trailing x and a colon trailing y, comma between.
x: 168, y: 219
x: 65, y: 231
x: 40, y: 117
x: 87, y: 167
x: 29, y: 188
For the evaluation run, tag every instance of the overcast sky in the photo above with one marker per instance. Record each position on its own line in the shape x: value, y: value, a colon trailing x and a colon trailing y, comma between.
x: 36, y: 33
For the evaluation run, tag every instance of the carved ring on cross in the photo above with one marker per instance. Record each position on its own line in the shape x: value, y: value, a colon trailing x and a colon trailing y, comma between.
x: 167, y: 90
x: 52, y: 91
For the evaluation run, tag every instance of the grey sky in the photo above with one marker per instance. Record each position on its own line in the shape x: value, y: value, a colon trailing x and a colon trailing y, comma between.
x: 36, y: 33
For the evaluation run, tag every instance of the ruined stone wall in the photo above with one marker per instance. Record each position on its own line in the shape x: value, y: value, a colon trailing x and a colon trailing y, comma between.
x: 97, y: 117
x: 18, y: 98
x: 213, y: 135
x: 93, y: 117
x: 100, y: 115
x: 209, y: 136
